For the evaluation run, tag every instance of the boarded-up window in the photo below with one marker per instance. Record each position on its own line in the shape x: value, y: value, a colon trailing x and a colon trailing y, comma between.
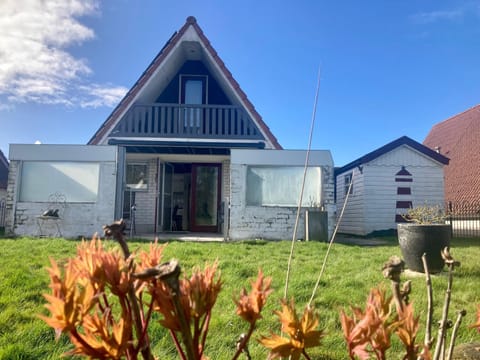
x: 281, y: 186
x: 78, y: 181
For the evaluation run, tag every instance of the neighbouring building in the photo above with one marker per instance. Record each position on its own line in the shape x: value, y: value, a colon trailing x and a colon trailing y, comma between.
x: 458, y: 138
x: 184, y: 150
x: 385, y: 183
x: 3, y: 176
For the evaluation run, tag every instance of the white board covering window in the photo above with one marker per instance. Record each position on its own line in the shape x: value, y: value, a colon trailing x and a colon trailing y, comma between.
x: 78, y: 181
x: 281, y: 186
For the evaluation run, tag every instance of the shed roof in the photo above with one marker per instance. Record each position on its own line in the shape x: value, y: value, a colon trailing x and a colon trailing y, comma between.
x: 404, y: 140
x: 458, y: 137
x: 170, y: 47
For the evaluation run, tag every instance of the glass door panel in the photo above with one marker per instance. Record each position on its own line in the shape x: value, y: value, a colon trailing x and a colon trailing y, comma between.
x: 206, y: 195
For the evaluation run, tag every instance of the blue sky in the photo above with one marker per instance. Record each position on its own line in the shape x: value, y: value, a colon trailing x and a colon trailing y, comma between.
x: 388, y: 68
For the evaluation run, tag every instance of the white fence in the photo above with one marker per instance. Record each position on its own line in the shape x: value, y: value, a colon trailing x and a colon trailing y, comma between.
x: 464, y: 218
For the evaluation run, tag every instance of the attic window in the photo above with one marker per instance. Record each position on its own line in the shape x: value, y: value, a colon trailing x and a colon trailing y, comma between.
x: 193, y: 89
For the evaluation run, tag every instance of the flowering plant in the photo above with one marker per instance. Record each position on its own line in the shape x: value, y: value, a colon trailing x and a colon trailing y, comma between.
x: 104, y: 301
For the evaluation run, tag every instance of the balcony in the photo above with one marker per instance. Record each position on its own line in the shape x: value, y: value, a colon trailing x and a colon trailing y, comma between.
x: 187, y: 121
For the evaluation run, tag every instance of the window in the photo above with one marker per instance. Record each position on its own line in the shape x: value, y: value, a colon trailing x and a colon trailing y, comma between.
x: 347, y: 181
x: 136, y: 176
x: 193, y: 89
x: 193, y: 92
x: 281, y: 185
x: 78, y: 181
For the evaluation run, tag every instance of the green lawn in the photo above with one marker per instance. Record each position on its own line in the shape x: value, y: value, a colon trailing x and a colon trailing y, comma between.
x: 351, y: 271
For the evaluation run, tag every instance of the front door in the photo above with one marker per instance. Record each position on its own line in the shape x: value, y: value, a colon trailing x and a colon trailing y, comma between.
x: 205, y: 197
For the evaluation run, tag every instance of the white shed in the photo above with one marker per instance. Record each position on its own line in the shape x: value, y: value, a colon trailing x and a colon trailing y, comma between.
x: 386, y: 182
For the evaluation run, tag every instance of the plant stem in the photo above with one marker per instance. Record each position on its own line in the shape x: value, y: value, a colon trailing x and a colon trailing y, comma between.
x: 82, y: 341
x: 460, y: 315
x: 184, y: 326
x: 397, y: 296
x: 428, y: 327
x: 304, y: 353
x: 177, y: 345
x: 205, y: 326
x: 137, y: 318
x: 443, y: 322
x: 243, y: 342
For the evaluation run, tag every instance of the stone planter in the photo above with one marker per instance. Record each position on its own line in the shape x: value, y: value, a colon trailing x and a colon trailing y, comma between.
x: 417, y: 239
x: 316, y: 225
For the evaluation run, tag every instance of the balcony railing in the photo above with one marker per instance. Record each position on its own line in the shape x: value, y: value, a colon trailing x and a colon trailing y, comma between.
x: 191, y: 121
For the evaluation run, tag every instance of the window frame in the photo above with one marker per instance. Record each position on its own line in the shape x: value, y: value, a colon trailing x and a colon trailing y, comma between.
x: 184, y: 78
x: 347, y: 180
x: 52, y: 185
x: 307, y: 200
x: 134, y: 186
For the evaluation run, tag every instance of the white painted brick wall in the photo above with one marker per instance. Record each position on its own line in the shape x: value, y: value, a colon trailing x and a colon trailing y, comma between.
x: 146, y: 202
x: 267, y: 222
x: 78, y: 219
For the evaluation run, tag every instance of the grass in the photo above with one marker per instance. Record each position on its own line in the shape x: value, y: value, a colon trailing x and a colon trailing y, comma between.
x: 351, y: 271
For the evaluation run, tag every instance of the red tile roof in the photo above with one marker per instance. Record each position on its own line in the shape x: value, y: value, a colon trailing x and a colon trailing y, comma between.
x: 459, y: 139
x: 164, y: 52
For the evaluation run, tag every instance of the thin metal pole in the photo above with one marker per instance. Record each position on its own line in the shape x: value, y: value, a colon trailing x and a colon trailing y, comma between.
x: 307, y: 157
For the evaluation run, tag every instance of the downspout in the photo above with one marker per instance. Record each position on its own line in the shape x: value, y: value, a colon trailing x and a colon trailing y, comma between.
x: 118, y: 212
x: 157, y: 197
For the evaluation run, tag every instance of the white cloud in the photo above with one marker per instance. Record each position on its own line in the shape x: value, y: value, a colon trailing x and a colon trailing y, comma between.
x: 99, y: 95
x: 35, y: 65
x: 471, y: 8
x: 434, y: 16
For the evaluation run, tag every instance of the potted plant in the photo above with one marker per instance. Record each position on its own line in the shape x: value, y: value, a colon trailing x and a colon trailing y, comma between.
x: 424, y: 232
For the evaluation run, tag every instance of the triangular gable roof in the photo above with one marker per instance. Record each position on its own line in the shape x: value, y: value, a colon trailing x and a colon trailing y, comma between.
x: 404, y: 140
x: 171, y: 47
x: 458, y: 138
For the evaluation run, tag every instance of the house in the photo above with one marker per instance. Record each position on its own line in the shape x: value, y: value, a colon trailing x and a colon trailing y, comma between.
x: 385, y: 183
x: 190, y: 153
x: 3, y: 187
x: 3, y: 176
x: 458, y: 138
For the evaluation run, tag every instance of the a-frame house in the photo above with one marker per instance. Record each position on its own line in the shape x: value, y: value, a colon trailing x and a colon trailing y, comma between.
x: 177, y: 126
x: 184, y: 150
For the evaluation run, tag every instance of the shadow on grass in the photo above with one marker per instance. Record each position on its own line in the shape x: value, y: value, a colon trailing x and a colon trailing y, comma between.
x: 465, y: 242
